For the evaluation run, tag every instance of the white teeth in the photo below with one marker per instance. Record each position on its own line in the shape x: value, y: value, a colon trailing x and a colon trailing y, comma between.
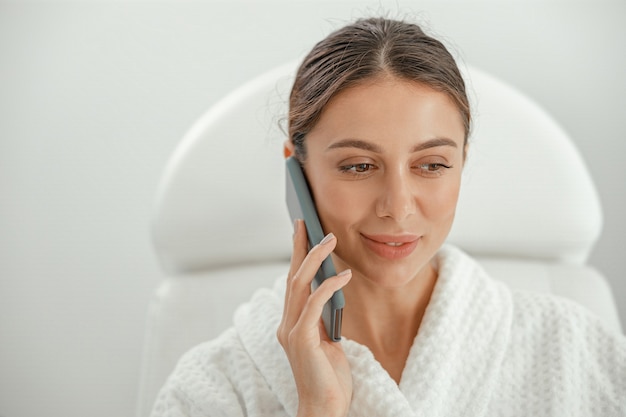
x: 394, y: 244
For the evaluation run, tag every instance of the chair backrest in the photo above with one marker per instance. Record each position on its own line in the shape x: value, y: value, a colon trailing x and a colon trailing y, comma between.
x: 526, y: 191
x: 528, y: 210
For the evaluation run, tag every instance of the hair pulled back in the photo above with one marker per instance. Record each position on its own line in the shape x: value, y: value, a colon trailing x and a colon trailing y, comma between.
x: 363, y: 50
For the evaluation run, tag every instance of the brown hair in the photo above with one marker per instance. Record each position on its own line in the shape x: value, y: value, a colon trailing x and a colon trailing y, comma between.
x: 365, y: 49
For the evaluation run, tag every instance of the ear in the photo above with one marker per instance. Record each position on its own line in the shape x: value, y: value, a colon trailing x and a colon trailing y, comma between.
x: 288, y: 148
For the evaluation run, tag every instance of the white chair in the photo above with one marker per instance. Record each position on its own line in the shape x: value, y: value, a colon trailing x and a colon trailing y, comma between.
x: 528, y: 210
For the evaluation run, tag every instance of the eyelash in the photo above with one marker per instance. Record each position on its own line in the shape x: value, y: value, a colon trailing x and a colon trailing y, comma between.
x: 436, y: 172
x: 424, y: 168
x: 352, y: 168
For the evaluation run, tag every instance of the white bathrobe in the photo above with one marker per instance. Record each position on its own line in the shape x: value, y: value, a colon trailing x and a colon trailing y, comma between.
x: 482, y: 350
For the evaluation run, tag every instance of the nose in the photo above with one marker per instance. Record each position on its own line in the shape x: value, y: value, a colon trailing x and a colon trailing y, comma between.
x: 397, y: 197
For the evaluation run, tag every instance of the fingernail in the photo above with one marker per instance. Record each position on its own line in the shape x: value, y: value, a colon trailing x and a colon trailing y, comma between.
x: 327, y: 239
x: 296, y: 224
x: 345, y: 273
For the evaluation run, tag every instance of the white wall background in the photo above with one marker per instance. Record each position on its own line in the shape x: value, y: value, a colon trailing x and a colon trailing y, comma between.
x: 95, y: 95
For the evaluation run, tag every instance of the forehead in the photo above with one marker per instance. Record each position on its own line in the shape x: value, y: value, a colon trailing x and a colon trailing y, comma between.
x: 389, y: 108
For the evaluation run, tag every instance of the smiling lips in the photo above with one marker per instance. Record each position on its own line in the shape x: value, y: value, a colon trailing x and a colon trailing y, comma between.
x: 391, y: 247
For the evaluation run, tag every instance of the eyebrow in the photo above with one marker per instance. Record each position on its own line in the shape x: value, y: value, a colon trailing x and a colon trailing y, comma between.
x: 367, y: 146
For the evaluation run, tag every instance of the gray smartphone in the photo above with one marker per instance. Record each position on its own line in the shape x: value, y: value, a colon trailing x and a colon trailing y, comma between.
x: 301, y: 206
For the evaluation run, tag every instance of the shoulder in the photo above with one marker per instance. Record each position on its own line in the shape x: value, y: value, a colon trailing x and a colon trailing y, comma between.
x: 555, y: 317
x: 560, y: 347
x: 551, y: 322
x: 534, y: 314
x: 208, y: 371
x: 224, y: 376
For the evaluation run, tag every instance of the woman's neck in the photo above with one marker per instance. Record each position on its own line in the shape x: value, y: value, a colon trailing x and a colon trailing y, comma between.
x: 386, y: 320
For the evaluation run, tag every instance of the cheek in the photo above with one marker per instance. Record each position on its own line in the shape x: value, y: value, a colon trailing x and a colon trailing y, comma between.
x: 440, y: 205
x: 340, y: 204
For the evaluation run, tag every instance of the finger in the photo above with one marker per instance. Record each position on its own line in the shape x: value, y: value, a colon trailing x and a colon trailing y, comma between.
x: 300, y: 246
x: 299, y: 287
x: 299, y: 253
x: 300, y: 283
x: 309, y: 320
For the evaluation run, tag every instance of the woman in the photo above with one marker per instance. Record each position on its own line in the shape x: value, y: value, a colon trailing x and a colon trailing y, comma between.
x: 379, y: 120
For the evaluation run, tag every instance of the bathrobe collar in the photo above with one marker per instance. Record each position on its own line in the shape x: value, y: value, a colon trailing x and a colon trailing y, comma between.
x: 453, y: 364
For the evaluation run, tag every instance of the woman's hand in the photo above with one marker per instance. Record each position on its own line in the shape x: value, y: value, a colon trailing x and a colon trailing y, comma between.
x: 319, y: 366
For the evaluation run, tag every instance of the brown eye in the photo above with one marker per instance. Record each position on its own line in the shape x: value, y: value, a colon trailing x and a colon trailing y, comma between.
x: 357, y: 169
x: 432, y: 169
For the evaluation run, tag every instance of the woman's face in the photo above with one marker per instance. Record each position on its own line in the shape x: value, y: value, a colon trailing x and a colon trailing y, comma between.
x: 384, y: 163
